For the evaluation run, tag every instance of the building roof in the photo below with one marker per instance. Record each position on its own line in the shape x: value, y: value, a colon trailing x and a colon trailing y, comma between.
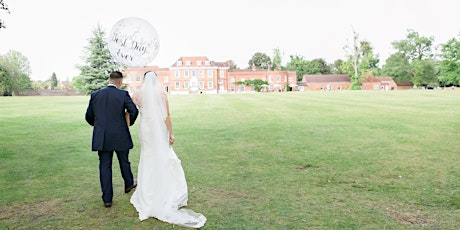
x: 219, y: 64
x: 326, y: 78
x: 378, y: 79
x: 192, y: 60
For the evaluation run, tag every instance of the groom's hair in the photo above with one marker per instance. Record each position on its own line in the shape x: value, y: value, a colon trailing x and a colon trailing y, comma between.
x: 116, y: 75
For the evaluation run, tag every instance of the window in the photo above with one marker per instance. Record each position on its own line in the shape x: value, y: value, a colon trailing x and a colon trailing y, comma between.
x: 193, y: 73
x: 187, y: 63
x: 375, y: 87
x: 210, y: 73
x: 270, y: 78
x: 177, y: 85
x: 177, y: 74
x: 186, y: 85
x: 198, y: 63
x: 222, y: 74
x: 206, y: 63
x: 201, y: 83
x: 200, y: 73
x: 165, y: 80
x: 186, y: 73
x: 232, y: 79
x: 138, y: 77
x: 278, y: 78
x: 179, y: 63
x: 210, y: 84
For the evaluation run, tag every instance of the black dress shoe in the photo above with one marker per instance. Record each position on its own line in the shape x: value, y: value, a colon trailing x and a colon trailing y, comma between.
x: 108, y: 205
x: 128, y: 189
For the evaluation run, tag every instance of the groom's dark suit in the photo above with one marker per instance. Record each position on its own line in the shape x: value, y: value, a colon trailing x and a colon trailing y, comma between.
x: 106, y: 112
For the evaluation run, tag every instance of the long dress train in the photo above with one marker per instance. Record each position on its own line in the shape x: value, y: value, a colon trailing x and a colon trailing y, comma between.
x: 161, y: 186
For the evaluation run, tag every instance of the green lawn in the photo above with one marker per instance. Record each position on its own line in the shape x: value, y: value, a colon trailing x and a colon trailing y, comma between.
x: 299, y: 160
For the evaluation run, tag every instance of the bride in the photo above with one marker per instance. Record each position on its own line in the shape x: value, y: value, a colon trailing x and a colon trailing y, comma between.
x: 161, y: 186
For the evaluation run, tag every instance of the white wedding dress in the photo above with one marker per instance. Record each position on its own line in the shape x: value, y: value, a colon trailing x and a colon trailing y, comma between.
x: 161, y: 186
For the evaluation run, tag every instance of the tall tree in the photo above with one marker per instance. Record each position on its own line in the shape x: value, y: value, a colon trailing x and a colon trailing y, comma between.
x: 336, y: 67
x: 450, y: 63
x: 3, y: 7
x: 424, y: 73
x: 413, y: 55
x: 398, y: 67
x: 94, y: 74
x: 260, y: 61
x: 15, y: 71
x: 318, y: 66
x: 277, y: 59
x: 299, y: 65
x: 415, y: 46
x: 53, y: 81
x: 361, y: 61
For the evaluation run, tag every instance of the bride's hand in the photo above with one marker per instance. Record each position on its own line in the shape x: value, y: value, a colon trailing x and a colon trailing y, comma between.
x: 171, y: 139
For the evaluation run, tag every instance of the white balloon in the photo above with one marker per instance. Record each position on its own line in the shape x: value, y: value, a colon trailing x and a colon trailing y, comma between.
x: 134, y: 42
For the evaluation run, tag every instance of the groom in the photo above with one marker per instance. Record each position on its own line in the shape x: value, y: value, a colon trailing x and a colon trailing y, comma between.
x: 106, y: 112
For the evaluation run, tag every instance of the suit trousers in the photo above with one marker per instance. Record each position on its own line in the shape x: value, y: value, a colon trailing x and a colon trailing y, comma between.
x: 105, y: 172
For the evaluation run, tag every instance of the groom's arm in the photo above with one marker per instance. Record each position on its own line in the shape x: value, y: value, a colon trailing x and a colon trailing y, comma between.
x: 89, y: 115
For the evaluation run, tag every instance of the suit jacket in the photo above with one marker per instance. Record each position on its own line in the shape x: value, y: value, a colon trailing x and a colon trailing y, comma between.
x: 106, y: 112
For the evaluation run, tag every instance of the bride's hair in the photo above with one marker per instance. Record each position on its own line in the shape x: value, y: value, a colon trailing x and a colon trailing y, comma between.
x: 150, y: 71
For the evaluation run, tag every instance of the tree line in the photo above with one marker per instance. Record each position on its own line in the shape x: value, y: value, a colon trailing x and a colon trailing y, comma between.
x: 414, y: 61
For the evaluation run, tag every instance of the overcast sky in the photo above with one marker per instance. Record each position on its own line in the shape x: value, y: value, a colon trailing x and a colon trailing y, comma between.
x: 52, y: 34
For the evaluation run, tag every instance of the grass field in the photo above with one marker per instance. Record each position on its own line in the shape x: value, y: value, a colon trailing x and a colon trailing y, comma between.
x: 300, y: 160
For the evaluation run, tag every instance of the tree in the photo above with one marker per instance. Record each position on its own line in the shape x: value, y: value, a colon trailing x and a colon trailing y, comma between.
x: 336, y: 67
x: 424, y: 73
x: 414, y: 60
x: 450, y: 63
x: 53, y: 81
x: 317, y: 66
x: 99, y: 64
x: 3, y: 7
x: 14, y: 71
x: 299, y: 65
x: 415, y: 46
x: 231, y: 65
x: 260, y: 61
x: 361, y: 61
x: 277, y: 59
x: 398, y: 67
x: 256, y: 83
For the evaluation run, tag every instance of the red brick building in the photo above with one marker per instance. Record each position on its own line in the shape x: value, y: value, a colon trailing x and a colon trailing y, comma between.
x: 378, y: 83
x: 190, y: 75
x: 325, y: 82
